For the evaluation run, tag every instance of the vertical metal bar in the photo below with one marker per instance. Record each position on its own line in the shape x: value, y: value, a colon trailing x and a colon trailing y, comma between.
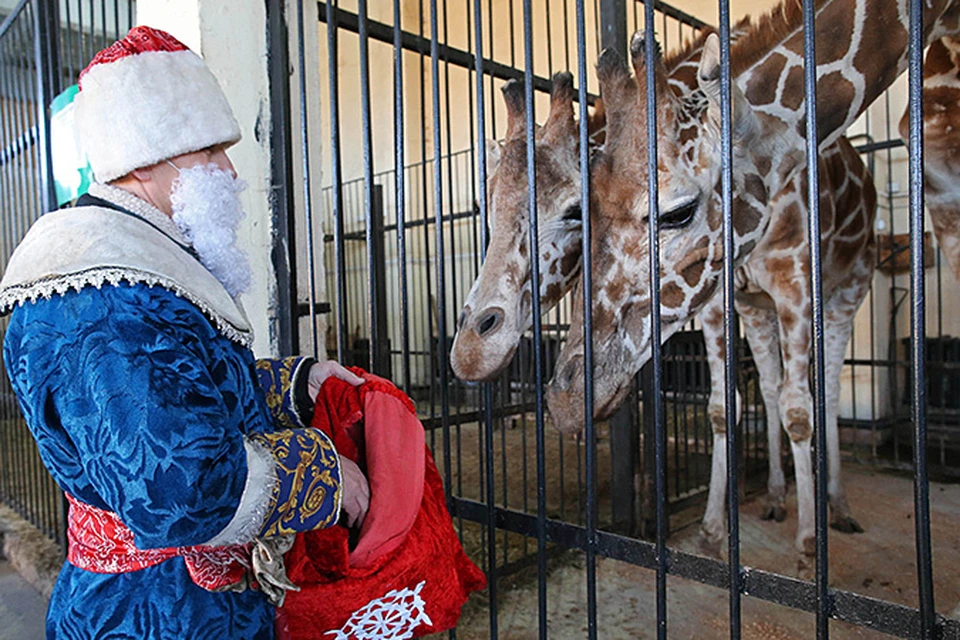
x: 491, y: 514
x: 441, y: 288
x: 816, y: 298
x: 537, y: 327
x: 80, y: 56
x: 92, y: 40
x: 655, y: 401
x: 305, y: 167
x: 336, y: 177
x: 283, y: 252
x: 587, y: 287
x: 729, y: 371
x: 45, y: 50
x: 918, y: 326
x: 401, y: 190
x: 367, y: 140
x: 69, y: 40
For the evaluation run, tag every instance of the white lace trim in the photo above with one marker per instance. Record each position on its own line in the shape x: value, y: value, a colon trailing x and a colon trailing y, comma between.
x: 14, y: 295
x: 258, y: 490
x: 142, y: 208
x: 395, y: 616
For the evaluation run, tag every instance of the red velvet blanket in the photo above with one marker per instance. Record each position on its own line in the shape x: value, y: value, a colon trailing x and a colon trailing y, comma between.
x: 406, y: 575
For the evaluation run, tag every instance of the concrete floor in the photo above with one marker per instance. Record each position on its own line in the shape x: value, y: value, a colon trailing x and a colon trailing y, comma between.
x: 22, y: 608
x: 879, y: 563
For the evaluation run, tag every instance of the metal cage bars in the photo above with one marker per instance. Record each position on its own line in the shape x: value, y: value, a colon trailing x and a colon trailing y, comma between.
x: 43, y: 48
x: 819, y: 598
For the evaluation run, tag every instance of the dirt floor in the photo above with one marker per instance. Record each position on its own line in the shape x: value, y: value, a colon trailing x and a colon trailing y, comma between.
x: 879, y: 563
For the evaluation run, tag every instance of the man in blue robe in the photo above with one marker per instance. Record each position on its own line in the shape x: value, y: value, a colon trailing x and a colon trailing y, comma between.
x: 187, y: 463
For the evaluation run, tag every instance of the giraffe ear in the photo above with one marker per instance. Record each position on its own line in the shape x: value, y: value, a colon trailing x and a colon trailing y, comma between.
x: 708, y: 77
x: 493, y: 156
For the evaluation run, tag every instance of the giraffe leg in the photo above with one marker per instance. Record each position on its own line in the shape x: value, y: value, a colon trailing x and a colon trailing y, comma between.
x: 760, y: 330
x: 839, y: 312
x: 796, y: 412
x: 713, y: 531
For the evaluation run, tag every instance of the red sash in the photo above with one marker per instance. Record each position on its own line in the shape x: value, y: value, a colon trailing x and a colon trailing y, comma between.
x: 99, y: 542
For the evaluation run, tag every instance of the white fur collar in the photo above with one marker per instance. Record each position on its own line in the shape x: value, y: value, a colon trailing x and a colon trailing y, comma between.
x: 93, y: 246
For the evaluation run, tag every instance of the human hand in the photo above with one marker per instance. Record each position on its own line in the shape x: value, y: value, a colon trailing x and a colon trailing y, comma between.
x: 323, y: 370
x: 355, y: 497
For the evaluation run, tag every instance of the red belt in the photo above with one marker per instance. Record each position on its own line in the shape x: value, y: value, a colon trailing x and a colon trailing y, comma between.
x: 101, y: 543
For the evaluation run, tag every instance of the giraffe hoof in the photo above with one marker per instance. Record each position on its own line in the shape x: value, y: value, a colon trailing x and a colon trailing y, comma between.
x: 710, y: 546
x: 773, y: 512
x: 846, y: 524
x: 806, y: 569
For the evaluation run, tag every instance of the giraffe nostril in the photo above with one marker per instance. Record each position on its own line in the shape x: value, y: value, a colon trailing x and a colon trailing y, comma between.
x: 490, y: 321
x: 462, y: 320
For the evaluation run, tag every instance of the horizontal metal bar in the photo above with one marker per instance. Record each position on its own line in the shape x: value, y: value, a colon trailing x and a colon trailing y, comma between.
x: 854, y: 608
x: 26, y: 140
x: 879, y: 146
x: 677, y: 14
x: 410, y: 224
x: 412, y: 42
x: 319, y: 308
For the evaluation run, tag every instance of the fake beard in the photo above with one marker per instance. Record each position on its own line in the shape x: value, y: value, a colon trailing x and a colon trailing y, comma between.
x: 207, y: 210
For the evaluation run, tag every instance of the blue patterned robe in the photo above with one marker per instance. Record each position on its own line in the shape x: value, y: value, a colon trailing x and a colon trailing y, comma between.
x: 141, y: 407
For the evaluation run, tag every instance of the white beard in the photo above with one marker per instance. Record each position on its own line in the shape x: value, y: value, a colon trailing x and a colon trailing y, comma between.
x: 207, y: 210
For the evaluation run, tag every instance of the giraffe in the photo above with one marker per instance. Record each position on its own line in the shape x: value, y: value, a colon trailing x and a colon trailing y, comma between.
x: 854, y: 65
x: 848, y: 190
x: 941, y: 150
x: 498, y: 308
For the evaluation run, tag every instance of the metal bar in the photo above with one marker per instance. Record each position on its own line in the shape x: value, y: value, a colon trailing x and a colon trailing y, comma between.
x: 441, y: 287
x: 412, y: 42
x: 305, y: 168
x: 373, y: 306
x: 870, y: 613
x: 10, y: 19
x: 336, y: 176
x: 816, y: 299
x: 490, y: 512
x: 655, y: 401
x: 676, y: 14
x: 734, y: 585
x: 538, y: 330
x: 918, y: 326
x: 588, y: 360
x: 401, y: 191
x: 283, y: 250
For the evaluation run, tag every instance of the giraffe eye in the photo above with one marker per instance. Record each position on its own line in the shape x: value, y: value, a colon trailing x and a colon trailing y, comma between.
x: 679, y: 217
x: 573, y: 213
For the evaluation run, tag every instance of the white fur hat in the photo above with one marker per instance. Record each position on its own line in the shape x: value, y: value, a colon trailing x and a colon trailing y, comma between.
x: 147, y: 98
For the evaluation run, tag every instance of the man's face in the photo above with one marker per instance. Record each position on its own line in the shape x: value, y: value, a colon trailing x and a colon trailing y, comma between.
x: 164, y: 175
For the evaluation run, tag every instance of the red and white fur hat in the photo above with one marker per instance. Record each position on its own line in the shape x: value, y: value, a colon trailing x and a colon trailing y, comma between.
x: 145, y: 99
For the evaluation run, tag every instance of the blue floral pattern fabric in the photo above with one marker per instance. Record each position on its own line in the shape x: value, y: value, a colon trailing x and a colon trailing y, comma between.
x: 140, y: 407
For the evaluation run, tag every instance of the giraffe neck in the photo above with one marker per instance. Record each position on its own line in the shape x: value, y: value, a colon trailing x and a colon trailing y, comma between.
x: 854, y: 66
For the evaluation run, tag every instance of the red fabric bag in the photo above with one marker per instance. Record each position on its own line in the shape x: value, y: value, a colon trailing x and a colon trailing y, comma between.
x: 407, y: 575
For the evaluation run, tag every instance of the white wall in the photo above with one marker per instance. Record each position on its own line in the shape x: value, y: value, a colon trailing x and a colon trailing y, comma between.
x: 233, y: 44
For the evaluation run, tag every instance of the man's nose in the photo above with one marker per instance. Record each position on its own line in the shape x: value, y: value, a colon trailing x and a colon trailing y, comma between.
x: 223, y: 161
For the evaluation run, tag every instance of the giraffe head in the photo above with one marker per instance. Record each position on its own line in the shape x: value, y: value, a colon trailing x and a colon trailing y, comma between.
x: 498, y: 309
x: 690, y: 221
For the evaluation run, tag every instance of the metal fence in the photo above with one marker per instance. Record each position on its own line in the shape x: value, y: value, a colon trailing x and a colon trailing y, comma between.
x: 400, y: 247
x: 43, y: 48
